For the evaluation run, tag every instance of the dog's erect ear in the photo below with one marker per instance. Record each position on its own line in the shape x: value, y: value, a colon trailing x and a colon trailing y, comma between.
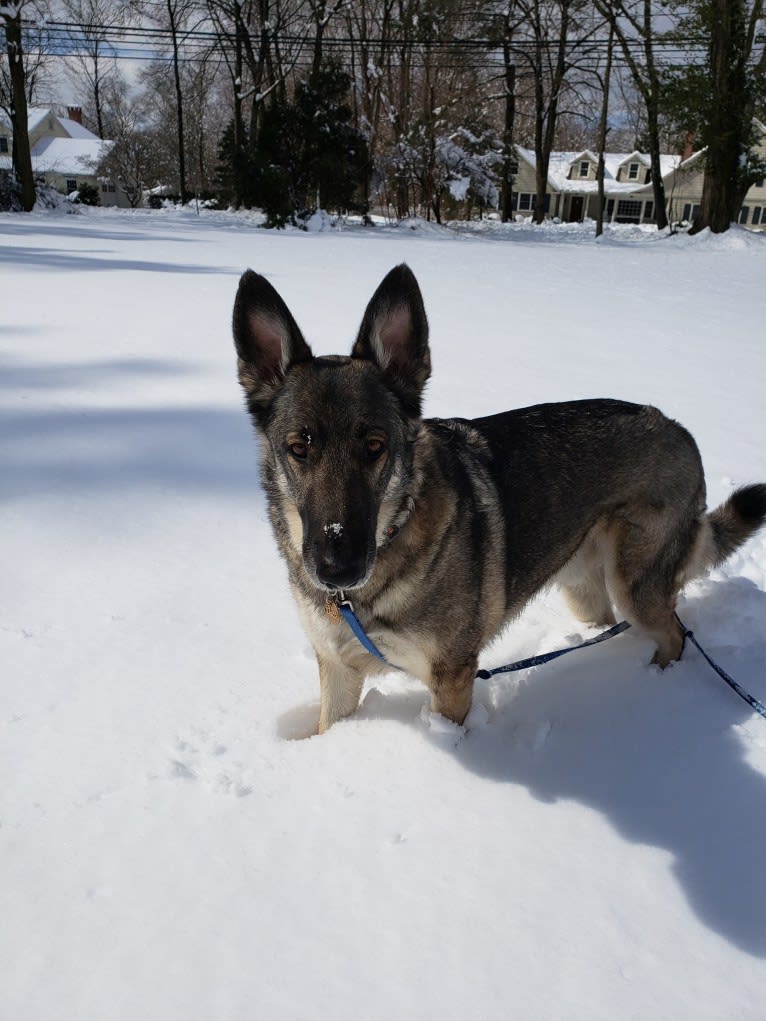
x: 267, y: 339
x: 394, y: 335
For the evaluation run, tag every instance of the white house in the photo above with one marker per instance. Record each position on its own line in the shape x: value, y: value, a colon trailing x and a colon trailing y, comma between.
x: 64, y: 153
x: 572, y: 192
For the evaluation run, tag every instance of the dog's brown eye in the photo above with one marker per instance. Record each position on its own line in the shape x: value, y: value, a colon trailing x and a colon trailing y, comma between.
x: 299, y: 450
x: 375, y: 448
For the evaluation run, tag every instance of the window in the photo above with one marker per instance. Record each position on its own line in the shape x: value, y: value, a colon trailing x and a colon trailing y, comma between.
x: 514, y: 167
x: 633, y: 172
x: 759, y: 182
x: 584, y: 168
x: 628, y: 211
x: 743, y: 214
x: 71, y: 184
x: 690, y: 212
x: 526, y: 201
x: 3, y: 143
x: 756, y: 216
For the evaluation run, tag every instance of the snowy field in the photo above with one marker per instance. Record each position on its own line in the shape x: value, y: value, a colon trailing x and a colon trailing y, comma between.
x: 590, y: 847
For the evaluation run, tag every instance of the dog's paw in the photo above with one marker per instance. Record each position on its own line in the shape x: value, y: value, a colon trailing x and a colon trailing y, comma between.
x: 441, y: 730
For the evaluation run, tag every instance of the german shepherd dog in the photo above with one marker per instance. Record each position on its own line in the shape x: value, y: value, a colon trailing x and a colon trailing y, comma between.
x: 441, y: 530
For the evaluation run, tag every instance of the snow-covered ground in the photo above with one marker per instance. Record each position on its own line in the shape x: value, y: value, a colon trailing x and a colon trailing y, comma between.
x: 592, y: 847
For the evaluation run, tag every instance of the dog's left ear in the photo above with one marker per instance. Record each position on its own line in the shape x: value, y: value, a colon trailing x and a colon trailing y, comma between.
x: 267, y: 338
x: 394, y: 335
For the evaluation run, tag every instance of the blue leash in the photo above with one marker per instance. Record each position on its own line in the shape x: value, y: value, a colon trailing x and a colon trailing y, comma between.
x: 546, y: 657
x: 347, y: 612
x: 751, y: 700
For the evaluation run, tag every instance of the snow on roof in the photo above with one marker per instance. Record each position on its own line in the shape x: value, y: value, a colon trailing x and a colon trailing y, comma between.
x: 76, y: 130
x: 586, y: 154
x: 561, y: 163
x: 68, y: 155
x: 37, y: 114
x: 642, y: 157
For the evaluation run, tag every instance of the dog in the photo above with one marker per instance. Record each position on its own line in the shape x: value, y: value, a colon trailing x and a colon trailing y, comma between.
x: 441, y: 530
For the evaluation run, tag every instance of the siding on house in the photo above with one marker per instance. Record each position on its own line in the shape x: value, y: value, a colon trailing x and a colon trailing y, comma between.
x: 571, y: 195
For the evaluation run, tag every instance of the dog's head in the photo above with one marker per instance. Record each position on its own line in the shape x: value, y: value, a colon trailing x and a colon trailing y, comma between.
x: 339, y: 430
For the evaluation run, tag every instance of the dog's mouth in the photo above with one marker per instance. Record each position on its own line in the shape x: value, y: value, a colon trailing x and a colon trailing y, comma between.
x: 333, y: 572
x: 339, y: 581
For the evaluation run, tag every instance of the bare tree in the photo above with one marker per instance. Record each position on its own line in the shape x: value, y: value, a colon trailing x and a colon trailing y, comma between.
x: 93, y: 57
x: 550, y: 41
x: 634, y: 26
x: 602, y: 132
x: 11, y: 23
x: 129, y: 160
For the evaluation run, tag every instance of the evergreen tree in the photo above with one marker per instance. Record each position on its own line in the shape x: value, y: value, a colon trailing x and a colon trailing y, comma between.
x: 308, y: 152
x: 716, y: 102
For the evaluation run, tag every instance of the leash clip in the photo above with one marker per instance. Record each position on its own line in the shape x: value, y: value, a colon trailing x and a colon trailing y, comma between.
x: 333, y: 604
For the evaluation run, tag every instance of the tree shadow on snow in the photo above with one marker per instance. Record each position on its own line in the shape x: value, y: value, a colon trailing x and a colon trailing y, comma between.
x: 79, y: 449
x: 100, y: 231
x: 663, y: 756
x: 51, y: 258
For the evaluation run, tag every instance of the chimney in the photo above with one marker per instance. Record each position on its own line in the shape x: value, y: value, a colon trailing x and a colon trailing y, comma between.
x: 688, y: 148
x: 74, y: 113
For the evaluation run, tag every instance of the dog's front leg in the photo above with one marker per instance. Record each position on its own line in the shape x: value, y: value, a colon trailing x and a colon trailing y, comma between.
x: 452, y: 689
x: 340, y: 688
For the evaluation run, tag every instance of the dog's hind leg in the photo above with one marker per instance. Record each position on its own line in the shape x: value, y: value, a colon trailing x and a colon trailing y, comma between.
x: 583, y: 582
x: 340, y: 690
x: 589, y: 600
x: 645, y: 580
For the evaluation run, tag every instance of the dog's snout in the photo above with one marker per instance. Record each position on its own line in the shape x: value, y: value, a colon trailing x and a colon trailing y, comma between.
x: 340, y: 556
x: 338, y: 570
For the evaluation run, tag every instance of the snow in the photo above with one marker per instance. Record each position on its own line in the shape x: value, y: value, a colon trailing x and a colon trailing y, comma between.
x: 561, y: 164
x: 68, y: 155
x: 589, y: 847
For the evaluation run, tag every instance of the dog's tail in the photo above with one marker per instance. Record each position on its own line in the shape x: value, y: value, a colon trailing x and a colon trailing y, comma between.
x: 727, y: 527
x: 736, y: 520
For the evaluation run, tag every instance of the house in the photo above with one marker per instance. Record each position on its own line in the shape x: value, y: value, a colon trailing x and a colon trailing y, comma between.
x: 64, y: 153
x: 572, y: 192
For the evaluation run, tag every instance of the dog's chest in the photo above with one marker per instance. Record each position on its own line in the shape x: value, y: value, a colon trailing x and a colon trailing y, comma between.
x: 331, y: 636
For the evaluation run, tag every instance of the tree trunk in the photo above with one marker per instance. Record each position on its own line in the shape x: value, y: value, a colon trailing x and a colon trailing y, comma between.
x: 652, y: 99
x: 725, y: 185
x: 602, y: 130
x: 179, y: 104
x: 546, y: 113
x: 658, y: 185
x: 22, y: 155
x: 646, y: 80
x: 97, y: 93
x: 508, y: 126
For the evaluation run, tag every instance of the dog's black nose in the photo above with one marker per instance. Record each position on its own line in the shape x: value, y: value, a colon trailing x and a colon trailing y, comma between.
x: 341, y: 572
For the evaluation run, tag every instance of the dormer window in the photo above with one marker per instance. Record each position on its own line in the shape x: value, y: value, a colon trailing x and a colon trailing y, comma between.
x: 633, y: 171
x: 584, y: 168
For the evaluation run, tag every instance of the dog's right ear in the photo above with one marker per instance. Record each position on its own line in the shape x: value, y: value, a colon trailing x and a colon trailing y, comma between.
x: 267, y: 339
x: 394, y: 335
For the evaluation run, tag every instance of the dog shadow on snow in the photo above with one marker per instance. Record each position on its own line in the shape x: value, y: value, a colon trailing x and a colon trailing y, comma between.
x: 662, y: 755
